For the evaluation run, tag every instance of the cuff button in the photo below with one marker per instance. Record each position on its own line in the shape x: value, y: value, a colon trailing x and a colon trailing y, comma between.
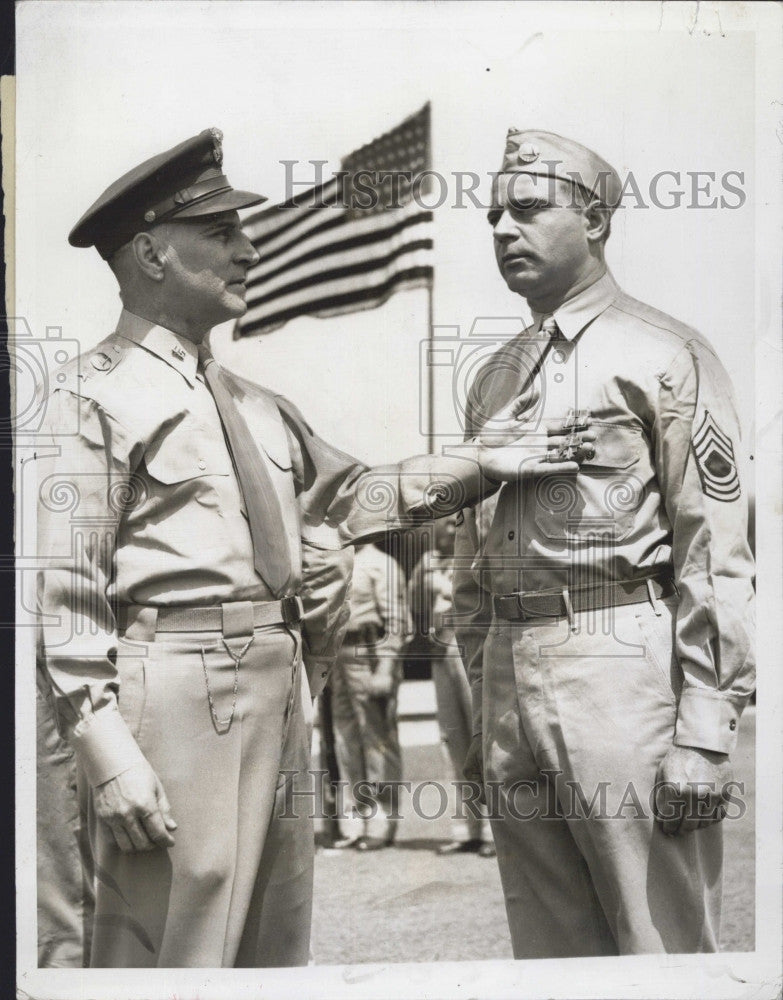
x: 733, y: 725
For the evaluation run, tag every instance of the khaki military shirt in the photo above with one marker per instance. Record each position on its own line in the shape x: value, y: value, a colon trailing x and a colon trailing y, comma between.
x: 139, y: 504
x: 663, y: 489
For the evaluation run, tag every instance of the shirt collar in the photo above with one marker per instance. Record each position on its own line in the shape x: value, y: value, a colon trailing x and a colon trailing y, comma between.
x: 178, y: 352
x: 574, y: 314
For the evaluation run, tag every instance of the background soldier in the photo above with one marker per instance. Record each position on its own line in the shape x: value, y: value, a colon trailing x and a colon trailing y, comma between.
x: 429, y: 594
x: 365, y: 682
x: 612, y: 613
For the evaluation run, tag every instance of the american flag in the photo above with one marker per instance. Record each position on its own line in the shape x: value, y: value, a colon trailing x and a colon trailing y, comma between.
x: 350, y: 243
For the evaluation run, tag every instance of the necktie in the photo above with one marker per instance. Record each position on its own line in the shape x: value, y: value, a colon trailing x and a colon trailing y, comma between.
x: 271, y: 556
x: 538, y: 349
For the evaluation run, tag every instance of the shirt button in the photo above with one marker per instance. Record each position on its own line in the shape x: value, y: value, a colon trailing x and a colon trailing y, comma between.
x: 733, y: 725
x: 202, y: 464
x: 511, y: 536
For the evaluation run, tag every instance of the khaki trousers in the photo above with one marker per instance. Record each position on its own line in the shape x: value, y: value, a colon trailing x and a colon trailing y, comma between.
x: 592, y: 713
x: 453, y: 701
x: 365, y: 735
x: 64, y: 864
x: 236, y: 888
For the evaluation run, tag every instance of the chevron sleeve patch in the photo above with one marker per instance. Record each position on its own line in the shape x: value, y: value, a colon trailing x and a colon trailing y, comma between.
x: 715, y: 460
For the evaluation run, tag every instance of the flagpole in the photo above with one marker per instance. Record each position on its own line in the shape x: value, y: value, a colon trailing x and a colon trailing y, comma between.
x: 430, y: 369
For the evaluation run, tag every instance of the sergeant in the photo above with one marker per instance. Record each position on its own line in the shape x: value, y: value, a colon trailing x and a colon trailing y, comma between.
x: 190, y: 525
x: 606, y: 620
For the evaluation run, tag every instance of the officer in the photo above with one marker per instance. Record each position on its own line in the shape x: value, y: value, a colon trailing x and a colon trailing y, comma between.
x: 606, y: 620
x: 429, y: 595
x: 365, y: 682
x: 190, y: 524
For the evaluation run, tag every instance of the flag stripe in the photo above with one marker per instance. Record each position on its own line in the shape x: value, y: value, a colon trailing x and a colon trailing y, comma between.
x: 272, y: 220
x: 318, y: 234
x: 347, y: 283
x: 305, y: 227
x: 335, y: 273
x: 330, y: 305
x: 327, y: 250
x: 345, y: 244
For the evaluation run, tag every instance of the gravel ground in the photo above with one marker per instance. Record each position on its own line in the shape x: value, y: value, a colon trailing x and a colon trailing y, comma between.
x: 407, y: 904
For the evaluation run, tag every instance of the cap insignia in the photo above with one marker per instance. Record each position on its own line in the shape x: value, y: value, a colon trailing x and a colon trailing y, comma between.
x: 217, y: 149
x: 527, y: 152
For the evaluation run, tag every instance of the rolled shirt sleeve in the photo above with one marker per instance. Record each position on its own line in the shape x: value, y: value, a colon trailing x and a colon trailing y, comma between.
x: 696, y: 437
x: 83, y: 482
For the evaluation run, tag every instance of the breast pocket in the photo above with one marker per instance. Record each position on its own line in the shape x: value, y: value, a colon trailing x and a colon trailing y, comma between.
x: 603, y: 499
x: 186, y: 469
x: 187, y: 452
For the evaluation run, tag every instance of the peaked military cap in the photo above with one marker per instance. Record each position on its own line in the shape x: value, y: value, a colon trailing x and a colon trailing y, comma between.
x: 545, y: 154
x: 183, y: 183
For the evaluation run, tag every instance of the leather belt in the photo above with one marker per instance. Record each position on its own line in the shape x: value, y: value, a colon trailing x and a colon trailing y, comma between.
x: 288, y: 611
x: 366, y: 635
x: 529, y: 605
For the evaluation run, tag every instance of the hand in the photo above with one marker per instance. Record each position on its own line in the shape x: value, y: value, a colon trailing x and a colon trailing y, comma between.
x: 529, y: 455
x: 135, y: 808
x: 510, y: 447
x: 505, y: 426
x: 473, y: 768
x: 689, y: 792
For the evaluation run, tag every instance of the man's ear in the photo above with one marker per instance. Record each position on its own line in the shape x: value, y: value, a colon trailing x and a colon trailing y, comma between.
x: 150, y: 255
x: 598, y: 221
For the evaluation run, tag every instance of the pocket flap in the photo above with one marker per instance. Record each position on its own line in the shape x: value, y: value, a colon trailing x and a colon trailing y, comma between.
x: 187, y: 453
x: 616, y: 446
x: 266, y: 425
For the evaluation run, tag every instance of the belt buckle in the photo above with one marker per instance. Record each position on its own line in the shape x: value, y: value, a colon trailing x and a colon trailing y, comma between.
x: 522, y: 614
x: 512, y: 602
x: 292, y: 610
x: 530, y: 611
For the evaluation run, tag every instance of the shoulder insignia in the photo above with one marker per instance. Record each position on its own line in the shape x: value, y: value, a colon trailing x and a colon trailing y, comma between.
x: 101, y: 362
x: 104, y: 359
x: 80, y: 370
x: 715, y: 461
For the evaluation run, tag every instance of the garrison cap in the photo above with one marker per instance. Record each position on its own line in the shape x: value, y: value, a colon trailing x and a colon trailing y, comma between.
x: 545, y: 154
x: 183, y: 183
